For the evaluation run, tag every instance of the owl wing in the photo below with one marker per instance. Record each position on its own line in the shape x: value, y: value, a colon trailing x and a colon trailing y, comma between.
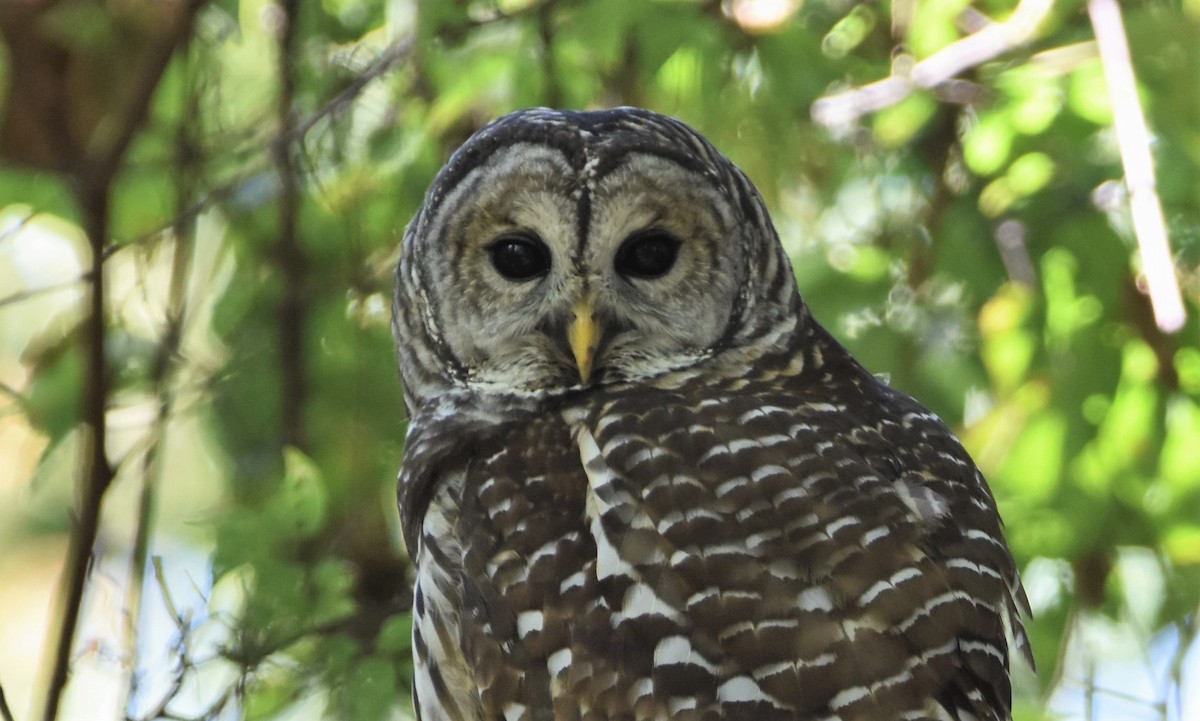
x: 749, y: 554
x: 493, y: 510
x: 783, y: 555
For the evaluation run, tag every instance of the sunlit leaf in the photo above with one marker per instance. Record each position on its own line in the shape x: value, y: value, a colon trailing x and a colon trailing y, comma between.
x: 1124, y: 435
x: 1066, y: 310
x: 988, y: 143
x: 849, y: 32
x: 1179, y: 462
x: 1088, y: 94
x: 1187, y: 365
x: 1037, y: 98
x: 897, y: 125
x: 934, y: 25
x: 1030, y: 173
x: 1183, y: 544
x: 997, y: 197
x: 1034, y: 466
x: 1008, y: 346
x: 681, y: 76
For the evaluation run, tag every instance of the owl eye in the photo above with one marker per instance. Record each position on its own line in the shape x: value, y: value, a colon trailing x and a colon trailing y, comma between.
x: 519, y: 257
x: 648, y: 254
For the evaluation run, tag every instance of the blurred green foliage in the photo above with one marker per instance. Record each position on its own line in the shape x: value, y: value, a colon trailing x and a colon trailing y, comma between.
x: 971, y: 242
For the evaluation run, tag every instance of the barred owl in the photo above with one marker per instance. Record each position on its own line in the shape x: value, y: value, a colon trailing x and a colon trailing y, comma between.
x: 641, y: 481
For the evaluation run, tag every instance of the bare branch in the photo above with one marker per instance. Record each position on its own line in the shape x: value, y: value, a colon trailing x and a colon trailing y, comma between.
x: 1134, y: 140
x: 843, y: 109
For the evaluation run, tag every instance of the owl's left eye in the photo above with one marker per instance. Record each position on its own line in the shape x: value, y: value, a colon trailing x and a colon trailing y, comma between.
x: 648, y: 254
x: 519, y: 257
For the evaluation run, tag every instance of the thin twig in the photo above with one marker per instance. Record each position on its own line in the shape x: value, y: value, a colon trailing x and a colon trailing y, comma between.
x: 843, y: 109
x: 15, y: 228
x: 385, y: 61
x: 109, y: 251
x: 24, y: 295
x: 163, y: 373
x: 179, y: 647
x: 17, y: 396
x: 1134, y: 141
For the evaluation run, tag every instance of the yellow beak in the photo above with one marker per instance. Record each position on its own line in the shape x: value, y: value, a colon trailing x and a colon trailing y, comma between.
x: 584, y: 335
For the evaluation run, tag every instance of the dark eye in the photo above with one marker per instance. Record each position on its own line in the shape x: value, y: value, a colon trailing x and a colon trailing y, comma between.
x: 649, y: 254
x: 519, y: 257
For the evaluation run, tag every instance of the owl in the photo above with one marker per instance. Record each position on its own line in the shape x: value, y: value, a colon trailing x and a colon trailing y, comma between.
x: 642, y: 482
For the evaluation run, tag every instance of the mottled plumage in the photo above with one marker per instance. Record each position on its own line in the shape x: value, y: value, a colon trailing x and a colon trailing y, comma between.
x: 641, y: 482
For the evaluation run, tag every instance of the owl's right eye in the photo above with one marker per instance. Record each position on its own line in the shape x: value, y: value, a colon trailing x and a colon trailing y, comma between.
x: 519, y: 257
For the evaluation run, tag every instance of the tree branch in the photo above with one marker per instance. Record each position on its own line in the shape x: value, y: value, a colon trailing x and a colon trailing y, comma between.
x: 93, y: 198
x: 843, y: 109
x: 1134, y: 141
x: 293, y: 306
x: 93, y: 185
x: 386, y: 60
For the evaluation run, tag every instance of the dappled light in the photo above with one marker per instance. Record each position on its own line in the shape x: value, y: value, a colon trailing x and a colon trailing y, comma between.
x: 992, y: 204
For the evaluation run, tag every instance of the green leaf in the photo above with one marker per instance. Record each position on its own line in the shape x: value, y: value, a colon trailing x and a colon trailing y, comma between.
x: 300, y: 503
x: 897, y: 125
x: 1030, y: 173
x: 988, y: 143
x: 1036, y: 461
x: 333, y: 580
x: 1182, y: 544
x: 395, y: 637
x: 849, y: 32
x: 370, y: 690
x: 1008, y: 345
x: 53, y: 396
x: 935, y: 25
x: 1088, y: 96
x: 1179, y: 462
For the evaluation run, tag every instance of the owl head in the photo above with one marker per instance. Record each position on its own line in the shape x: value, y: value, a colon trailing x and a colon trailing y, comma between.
x: 562, y: 251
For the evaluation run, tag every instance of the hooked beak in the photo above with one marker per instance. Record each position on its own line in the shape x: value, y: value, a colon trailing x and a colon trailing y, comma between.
x: 583, y: 334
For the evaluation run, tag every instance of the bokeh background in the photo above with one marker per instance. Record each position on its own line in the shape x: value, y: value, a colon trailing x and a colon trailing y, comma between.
x: 240, y: 172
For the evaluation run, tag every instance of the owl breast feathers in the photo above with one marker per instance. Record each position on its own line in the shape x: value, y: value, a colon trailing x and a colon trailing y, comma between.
x: 641, y: 482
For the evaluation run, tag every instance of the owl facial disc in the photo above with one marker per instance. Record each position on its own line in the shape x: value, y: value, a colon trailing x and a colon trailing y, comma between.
x: 560, y: 251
